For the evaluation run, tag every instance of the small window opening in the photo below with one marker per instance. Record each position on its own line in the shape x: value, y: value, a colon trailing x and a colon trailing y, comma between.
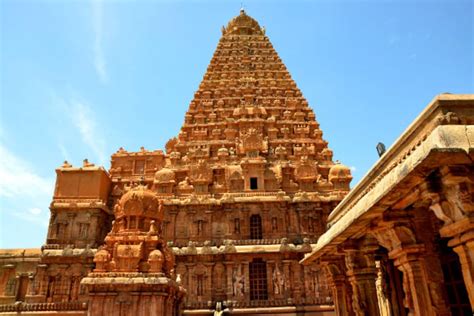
x: 253, y: 184
x: 236, y: 226
x: 256, y: 227
x: 200, y: 287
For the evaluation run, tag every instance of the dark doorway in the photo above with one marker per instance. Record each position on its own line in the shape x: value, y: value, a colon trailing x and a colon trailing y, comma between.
x: 22, y: 288
x: 258, y: 280
x: 253, y: 183
x: 256, y: 227
x: 454, y: 282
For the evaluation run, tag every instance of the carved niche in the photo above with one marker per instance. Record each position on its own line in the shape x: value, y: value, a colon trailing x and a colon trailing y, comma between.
x: 252, y: 141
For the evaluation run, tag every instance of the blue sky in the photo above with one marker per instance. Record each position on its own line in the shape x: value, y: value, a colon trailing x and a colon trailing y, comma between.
x: 82, y: 78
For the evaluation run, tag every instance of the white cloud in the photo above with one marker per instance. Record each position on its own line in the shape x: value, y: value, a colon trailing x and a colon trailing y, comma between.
x: 84, y: 119
x: 35, y: 211
x: 64, y: 152
x: 393, y: 40
x: 353, y: 169
x: 100, y: 63
x: 18, y: 179
x: 23, y: 193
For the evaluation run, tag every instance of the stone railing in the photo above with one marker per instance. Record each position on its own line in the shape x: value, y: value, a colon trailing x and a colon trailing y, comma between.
x: 38, y: 307
x: 262, y: 303
x: 242, y: 242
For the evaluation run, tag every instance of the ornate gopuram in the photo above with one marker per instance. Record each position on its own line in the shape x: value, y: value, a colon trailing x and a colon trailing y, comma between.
x: 246, y: 187
x: 402, y: 241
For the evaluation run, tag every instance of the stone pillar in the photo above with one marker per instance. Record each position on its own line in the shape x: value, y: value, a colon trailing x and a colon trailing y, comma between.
x: 229, y: 267
x: 382, y: 289
x: 245, y: 272
x: 270, y: 289
x: 341, y: 289
x: 286, y: 272
x: 362, y: 274
x: 454, y: 205
x: 209, y: 285
x: 422, y: 275
x: 464, y: 247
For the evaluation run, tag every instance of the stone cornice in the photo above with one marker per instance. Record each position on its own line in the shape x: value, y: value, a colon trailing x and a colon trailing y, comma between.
x: 412, y: 137
x: 445, y: 125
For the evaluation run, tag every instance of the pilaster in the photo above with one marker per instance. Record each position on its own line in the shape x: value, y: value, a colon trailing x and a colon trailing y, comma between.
x: 362, y: 274
x: 341, y: 289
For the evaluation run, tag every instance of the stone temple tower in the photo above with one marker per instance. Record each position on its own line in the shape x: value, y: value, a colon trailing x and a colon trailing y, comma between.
x: 247, y: 184
x: 246, y: 188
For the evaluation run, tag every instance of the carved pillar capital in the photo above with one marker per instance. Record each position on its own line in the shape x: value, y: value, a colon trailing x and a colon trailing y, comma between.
x: 450, y: 193
x: 334, y: 268
x: 361, y: 272
x: 413, y: 255
x: 454, y: 205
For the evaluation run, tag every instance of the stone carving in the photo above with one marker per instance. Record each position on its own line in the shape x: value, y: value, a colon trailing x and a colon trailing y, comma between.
x: 229, y: 246
x: 238, y: 282
x: 191, y: 249
x: 252, y: 141
x: 132, y: 212
x: 285, y: 246
x: 306, y: 171
x: 164, y: 176
x: 278, y: 281
x: 206, y: 248
x: 170, y: 145
x: 200, y: 173
x: 185, y: 186
x: 382, y: 292
x: 306, y: 246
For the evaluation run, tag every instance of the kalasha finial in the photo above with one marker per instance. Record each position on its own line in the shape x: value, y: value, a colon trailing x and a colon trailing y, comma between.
x: 86, y: 163
x: 242, y: 11
x: 66, y: 164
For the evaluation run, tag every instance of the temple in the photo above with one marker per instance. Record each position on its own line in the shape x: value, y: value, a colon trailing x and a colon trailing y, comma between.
x: 245, y: 212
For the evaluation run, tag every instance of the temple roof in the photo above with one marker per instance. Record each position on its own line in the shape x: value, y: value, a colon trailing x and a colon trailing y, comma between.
x: 247, y: 87
x: 247, y: 114
x: 243, y: 24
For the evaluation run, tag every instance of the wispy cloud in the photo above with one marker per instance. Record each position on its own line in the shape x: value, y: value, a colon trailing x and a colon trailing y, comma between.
x: 23, y: 192
x: 393, y: 40
x: 64, y: 152
x: 353, y: 169
x: 100, y: 62
x: 84, y: 119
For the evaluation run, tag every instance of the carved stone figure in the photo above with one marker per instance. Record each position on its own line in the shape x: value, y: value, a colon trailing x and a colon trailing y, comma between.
x: 238, y: 281
x: 278, y: 281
